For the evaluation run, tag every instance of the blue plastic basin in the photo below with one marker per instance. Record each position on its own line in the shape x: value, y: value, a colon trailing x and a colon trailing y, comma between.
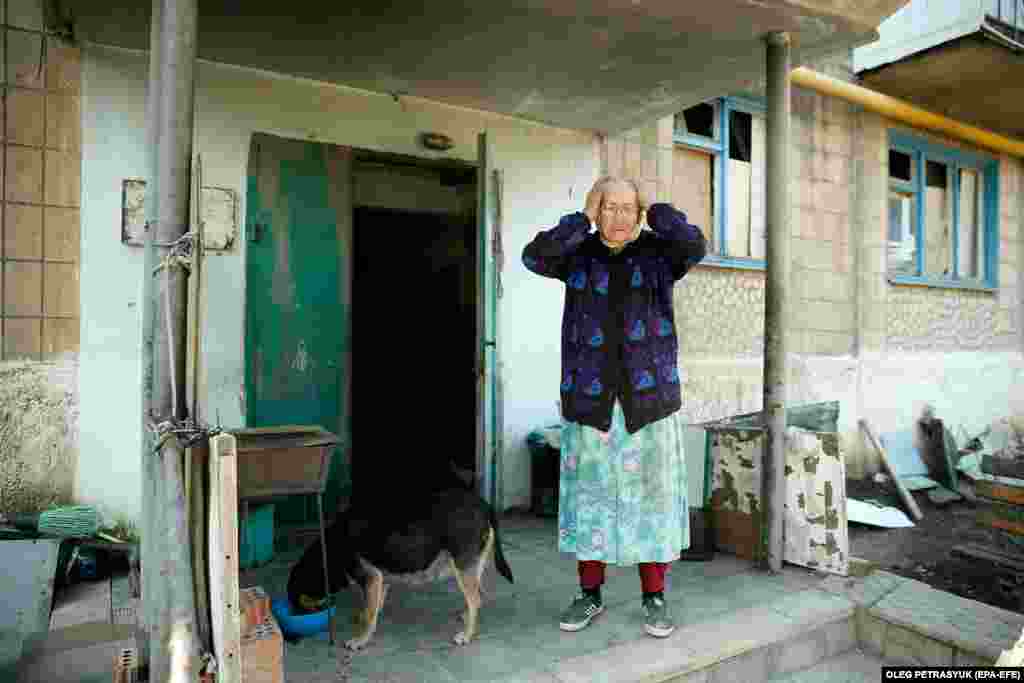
x: 298, y: 625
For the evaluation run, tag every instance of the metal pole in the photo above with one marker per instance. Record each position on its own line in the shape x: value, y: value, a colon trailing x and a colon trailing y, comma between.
x: 776, y: 299
x: 174, y: 647
x: 173, y: 179
x: 149, y: 559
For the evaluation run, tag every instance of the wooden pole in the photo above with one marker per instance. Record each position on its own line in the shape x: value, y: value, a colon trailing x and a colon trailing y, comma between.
x: 905, y: 495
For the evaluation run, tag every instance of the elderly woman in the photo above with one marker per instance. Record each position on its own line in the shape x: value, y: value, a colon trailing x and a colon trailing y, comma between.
x: 623, y: 475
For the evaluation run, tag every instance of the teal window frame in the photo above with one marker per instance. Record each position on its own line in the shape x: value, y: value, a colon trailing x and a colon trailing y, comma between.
x: 719, y: 147
x: 921, y: 151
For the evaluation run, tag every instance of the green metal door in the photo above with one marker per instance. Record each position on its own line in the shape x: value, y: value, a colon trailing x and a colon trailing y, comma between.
x: 297, y: 296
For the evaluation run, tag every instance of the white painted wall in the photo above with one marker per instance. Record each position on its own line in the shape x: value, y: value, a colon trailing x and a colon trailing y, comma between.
x: 547, y: 173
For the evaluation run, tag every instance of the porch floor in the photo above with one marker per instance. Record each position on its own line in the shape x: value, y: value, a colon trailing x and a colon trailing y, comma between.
x: 723, y: 603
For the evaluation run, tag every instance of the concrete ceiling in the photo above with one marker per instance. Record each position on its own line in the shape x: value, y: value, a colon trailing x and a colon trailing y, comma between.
x: 607, y: 65
x: 973, y: 79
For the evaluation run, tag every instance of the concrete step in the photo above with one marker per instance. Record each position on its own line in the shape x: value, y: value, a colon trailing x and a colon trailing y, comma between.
x: 776, y: 639
x: 855, y: 666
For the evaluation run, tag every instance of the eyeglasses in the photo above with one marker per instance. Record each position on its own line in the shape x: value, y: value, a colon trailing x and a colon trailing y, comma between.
x: 624, y: 211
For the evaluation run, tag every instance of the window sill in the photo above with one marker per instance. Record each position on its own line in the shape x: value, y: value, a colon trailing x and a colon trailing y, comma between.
x: 911, y: 281
x: 711, y: 261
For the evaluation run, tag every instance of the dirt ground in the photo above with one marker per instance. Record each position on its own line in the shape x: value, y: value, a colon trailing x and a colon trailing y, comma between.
x: 924, y: 552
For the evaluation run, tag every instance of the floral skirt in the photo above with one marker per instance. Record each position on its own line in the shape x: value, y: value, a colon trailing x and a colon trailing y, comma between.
x: 622, y: 496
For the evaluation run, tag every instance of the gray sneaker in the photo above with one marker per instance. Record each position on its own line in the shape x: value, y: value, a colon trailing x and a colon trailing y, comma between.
x: 658, y: 622
x: 580, y: 613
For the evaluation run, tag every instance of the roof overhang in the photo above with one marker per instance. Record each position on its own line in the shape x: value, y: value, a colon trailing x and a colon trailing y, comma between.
x: 607, y: 66
x: 977, y: 78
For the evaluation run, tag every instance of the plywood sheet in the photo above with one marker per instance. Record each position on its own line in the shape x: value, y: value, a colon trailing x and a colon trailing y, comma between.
x: 815, y: 521
x: 692, y: 183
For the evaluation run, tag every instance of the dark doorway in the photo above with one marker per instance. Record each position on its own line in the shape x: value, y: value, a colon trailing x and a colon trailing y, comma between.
x: 414, y: 345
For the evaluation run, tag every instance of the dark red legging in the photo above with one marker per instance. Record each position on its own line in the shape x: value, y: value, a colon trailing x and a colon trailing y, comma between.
x: 652, y: 575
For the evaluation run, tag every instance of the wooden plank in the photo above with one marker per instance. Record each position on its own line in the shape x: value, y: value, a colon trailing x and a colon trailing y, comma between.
x: 223, y: 538
x: 1015, y: 528
x: 908, y: 500
x: 976, y: 551
x: 1001, y: 492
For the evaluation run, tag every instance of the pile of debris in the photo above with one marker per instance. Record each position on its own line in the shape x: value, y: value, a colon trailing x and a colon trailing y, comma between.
x: 993, y: 467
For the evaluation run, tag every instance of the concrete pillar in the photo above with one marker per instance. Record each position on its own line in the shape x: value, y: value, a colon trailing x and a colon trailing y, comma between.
x: 776, y: 296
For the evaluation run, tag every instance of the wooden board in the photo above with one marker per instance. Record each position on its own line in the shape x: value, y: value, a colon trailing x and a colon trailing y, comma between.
x: 997, y: 491
x: 976, y: 551
x: 223, y: 538
x: 905, y: 496
x: 815, y: 522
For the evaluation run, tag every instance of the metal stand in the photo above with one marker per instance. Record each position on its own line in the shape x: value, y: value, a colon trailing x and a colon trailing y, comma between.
x: 327, y: 584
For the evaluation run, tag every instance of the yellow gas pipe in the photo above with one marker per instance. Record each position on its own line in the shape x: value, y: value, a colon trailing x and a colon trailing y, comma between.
x: 903, y: 111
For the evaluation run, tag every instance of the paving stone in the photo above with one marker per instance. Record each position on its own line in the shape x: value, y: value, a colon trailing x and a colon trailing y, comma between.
x: 840, y: 637
x: 910, y: 648
x: 800, y: 652
x: 871, y: 632
x: 969, y: 625
x: 852, y: 667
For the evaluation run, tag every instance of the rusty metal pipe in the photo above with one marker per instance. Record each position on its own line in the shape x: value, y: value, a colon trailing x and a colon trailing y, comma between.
x: 905, y: 112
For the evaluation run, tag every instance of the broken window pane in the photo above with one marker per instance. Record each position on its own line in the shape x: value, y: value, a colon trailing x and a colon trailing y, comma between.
x: 938, y: 219
x: 902, y: 247
x: 970, y: 245
x: 900, y: 166
x: 698, y: 120
x: 746, y: 188
x: 739, y: 135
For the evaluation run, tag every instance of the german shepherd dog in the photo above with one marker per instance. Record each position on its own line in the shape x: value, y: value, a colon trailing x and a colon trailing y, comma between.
x: 450, y: 531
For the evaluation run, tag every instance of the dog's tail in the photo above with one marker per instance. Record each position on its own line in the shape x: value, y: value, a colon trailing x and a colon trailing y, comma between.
x: 499, y: 557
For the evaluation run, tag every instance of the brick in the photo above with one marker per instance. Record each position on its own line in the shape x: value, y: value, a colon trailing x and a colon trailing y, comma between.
x: 875, y: 260
x: 827, y: 316
x: 22, y: 338
x: 834, y: 197
x: 63, y: 122
x: 25, y: 116
x: 808, y: 198
x: 60, y: 336
x: 263, y: 654
x: 23, y: 288
x: 820, y: 285
x: 829, y: 343
x: 23, y: 231
x: 842, y: 257
x: 833, y: 226
x: 811, y: 253
x: 61, y: 289
x: 24, y: 175
x: 254, y: 604
x: 64, y: 66
x: 62, y: 230
x: 836, y: 169
x: 23, y: 53
x: 63, y: 178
